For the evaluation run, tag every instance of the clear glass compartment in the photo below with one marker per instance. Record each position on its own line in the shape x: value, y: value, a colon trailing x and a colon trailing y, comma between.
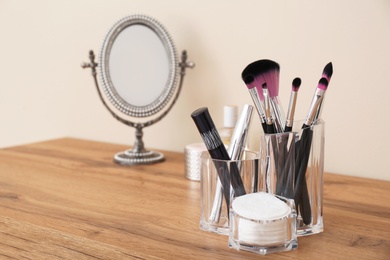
x: 214, y: 204
x: 294, y: 169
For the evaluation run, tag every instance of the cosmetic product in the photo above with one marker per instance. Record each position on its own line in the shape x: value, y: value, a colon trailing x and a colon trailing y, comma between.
x: 192, y: 154
x: 302, y: 157
x: 277, y: 111
x: 291, y: 106
x: 267, y: 71
x: 235, y: 150
x: 230, y: 114
x: 257, y: 97
x: 211, y: 169
x: 316, y: 101
x: 263, y: 223
x: 267, y: 108
x: 240, y: 133
x: 217, y: 150
x: 326, y: 73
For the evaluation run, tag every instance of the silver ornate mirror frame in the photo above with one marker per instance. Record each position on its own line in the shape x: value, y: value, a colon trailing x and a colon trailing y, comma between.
x: 105, y: 73
x: 138, y: 154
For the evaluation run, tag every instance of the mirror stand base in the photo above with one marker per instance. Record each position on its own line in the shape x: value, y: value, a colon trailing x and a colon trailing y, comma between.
x: 131, y: 157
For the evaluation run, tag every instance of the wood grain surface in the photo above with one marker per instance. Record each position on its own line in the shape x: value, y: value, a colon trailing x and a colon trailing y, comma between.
x: 66, y: 199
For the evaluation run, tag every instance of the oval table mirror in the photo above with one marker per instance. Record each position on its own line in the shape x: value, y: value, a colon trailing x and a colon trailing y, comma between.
x: 141, y: 78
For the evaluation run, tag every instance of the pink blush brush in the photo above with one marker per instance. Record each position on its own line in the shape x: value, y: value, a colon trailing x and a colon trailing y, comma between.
x: 267, y: 71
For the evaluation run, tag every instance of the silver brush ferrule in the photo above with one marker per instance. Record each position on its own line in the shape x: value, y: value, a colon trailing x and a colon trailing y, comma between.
x: 258, y: 103
x: 315, y: 103
x: 291, y: 109
x: 278, y: 114
x: 267, y: 108
x: 319, y: 110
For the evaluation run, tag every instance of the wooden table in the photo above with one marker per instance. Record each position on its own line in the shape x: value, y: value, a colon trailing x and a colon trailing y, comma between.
x: 66, y: 199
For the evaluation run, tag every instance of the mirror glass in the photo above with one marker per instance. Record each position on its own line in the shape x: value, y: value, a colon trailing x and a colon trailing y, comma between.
x: 138, y: 65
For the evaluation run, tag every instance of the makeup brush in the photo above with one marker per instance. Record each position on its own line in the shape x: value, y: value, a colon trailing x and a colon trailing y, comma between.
x: 257, y: 98
x: 291, y: 106
x: 285, y: 156
x: 273, y: 88
x: 267, y: 109
x: 301, y: 194
x: 240, y: 133
x: 266, y: 71
x: 326, y: 73
x: 217, y: 150
x: 316, y: 101
x: 235, y: 151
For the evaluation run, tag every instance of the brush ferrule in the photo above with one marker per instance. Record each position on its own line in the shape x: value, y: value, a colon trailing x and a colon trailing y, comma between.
x: 315, y: 103
x: 291, y: 109
x: 319, y: 110
x: 277, y: 114
x: 267, y: 108
x: 258, y: 103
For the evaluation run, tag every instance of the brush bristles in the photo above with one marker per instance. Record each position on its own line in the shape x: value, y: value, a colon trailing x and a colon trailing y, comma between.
x: 260, y: 66
x: 248, y: 79
x: 328, y: 71
x: 296, y: 84
x: 323, y: 84
x: 263, y: 71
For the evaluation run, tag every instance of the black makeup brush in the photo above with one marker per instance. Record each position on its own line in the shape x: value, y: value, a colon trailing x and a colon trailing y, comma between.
x: 291, y: 107
x: 285, y: 156
x: 326, y: 73
x: 267, y: 109
x: 300, y: 192
x: 235, y: 152
x: 217, y: 150
x: 316, y: 101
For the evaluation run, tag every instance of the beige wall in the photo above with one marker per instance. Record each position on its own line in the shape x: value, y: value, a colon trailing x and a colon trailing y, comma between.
x: 44, y: 93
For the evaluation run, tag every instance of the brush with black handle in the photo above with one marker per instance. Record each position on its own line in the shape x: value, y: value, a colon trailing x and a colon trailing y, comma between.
x: 301, y: 196
x: 217, y: 151
x: 255, y: 75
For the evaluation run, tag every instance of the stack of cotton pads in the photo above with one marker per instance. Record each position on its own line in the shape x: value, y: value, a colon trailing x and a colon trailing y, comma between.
x: 261, y: 219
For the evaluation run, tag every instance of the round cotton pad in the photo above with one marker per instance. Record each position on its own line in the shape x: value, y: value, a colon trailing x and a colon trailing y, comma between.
x: 260, y: 206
